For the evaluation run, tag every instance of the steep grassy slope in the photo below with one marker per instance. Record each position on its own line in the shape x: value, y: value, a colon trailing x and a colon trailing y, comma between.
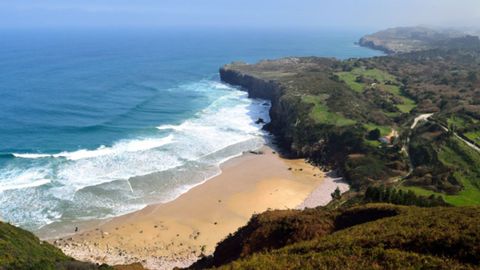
x: 20, y: 249
x: 444, y: 164
x: 374, y: 236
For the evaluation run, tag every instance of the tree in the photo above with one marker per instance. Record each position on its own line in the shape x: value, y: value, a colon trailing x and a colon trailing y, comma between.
x: 392, y: 195
x: 374, y: 134
x: 360, y: 79
x: 337, y: 194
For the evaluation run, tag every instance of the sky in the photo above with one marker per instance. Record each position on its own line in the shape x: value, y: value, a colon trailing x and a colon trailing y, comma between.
x: 275, y: 14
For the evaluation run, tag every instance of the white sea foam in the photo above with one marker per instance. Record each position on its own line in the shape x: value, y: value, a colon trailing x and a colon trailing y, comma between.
x: 118, y: 148
x: 35, y: 183
x: 29, y: 155
x: 169, y: 127
x: 16, y: 179
x: 191, y: 151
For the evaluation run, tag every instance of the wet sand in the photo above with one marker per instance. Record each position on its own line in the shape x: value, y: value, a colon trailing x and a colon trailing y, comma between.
x: 176, y: 233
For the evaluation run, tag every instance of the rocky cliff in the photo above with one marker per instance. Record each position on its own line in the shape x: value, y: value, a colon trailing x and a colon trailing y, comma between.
x: 256, y: 88
x: 314, y: 115
x: 280, y: 113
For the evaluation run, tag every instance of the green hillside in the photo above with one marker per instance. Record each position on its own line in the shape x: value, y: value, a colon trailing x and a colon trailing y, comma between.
x: 20, y: 249
x: 373, y: 236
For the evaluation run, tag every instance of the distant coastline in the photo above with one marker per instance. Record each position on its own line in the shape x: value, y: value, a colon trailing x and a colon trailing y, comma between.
x: 410, y: 39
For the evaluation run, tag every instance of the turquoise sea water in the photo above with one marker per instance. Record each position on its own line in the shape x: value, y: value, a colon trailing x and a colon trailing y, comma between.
x: 85, y: 115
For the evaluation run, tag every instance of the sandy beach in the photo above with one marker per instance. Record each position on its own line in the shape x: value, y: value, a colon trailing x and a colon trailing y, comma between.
x: 176, y: 233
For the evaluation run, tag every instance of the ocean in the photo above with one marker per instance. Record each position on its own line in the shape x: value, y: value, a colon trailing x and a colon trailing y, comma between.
x: 98, y: 123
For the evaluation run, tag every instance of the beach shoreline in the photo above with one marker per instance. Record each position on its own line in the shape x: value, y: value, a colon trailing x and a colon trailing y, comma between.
x: 176, y: 233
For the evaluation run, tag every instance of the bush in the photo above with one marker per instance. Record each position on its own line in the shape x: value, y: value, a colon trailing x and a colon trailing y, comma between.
x: 374, y: 134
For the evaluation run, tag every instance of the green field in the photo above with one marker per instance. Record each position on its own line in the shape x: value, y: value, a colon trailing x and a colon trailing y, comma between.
x: 321, y: 114
x: 349, y: 78
x: 392, y: 114
x: 374, y: 74
x: 474, y: 136
x: 384, y: 130
x: 382, y: 77
x: 407, y: 105
x: 456, y: 122
x: 467, y: 197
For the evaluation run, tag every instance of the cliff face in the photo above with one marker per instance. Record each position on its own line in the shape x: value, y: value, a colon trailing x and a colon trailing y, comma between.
x: 280, y: 112
x: 312, y: 113
x: 371, y: 43
x: 256, y: 88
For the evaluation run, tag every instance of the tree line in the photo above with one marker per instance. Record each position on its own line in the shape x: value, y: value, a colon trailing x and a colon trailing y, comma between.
x: 401, y: 197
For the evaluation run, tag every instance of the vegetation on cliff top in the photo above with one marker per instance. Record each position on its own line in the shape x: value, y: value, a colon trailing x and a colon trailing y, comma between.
x: 356, y: 116
x: 327, y: 110
x: 372, y: 236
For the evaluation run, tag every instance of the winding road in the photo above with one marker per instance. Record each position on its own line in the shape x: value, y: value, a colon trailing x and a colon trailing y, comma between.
x: 426, y: 117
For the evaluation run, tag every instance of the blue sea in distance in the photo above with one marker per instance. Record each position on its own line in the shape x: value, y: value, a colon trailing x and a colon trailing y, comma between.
x: 99, y: 123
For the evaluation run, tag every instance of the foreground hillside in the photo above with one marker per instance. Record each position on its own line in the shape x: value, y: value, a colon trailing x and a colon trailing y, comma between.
x: 373, y: 236
x: 22, y: 250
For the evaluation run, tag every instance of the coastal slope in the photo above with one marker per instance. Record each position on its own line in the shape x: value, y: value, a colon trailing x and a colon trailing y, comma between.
x: 372, y: 236
x: 356, y: 116
x: 20, y: 249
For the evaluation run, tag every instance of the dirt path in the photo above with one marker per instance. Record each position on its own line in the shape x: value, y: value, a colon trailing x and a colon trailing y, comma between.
x: 421, y: 117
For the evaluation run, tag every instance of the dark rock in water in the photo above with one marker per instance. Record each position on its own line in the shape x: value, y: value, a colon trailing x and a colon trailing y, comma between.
x: 260, y: 121
x: 266, y: 104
